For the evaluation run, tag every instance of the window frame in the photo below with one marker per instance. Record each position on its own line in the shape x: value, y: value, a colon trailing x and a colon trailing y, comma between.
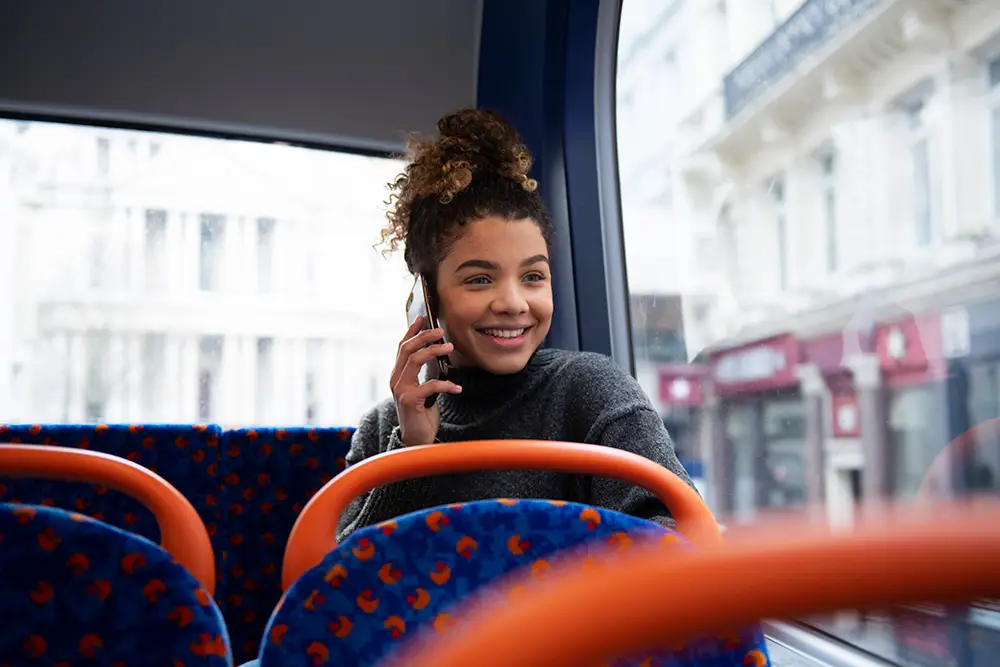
x: 992, y: 82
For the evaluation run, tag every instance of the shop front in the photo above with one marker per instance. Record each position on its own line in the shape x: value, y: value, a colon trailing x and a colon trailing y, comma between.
x: 919, y: 406
x: 681, y: 392
x: 971, y: 343
x: 758, y: 449
x: 833, y: 448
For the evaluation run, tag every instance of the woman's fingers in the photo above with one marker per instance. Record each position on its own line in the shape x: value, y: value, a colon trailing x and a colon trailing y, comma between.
x: 412, y: 330
x: 410, y: 346
x: 409, y: 376
x: 415, y: 397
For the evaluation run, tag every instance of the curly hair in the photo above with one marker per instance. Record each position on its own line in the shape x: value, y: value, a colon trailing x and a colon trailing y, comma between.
x: 477, y: 167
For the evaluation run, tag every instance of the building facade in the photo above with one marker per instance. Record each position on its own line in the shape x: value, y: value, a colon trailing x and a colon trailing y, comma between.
x: 836, y: 165
x: 157, y: 277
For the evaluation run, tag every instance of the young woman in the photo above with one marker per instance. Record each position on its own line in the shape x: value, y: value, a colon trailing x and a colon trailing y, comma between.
x: 472, y: 223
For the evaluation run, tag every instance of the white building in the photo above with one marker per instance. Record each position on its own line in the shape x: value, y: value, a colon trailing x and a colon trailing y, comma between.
x: 782, y: 157
x: 168, y: 278
x: 802, y: 169
x: 854, y: 147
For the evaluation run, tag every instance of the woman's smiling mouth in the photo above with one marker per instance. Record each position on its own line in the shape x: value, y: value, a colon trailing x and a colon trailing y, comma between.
x: 505, y: 336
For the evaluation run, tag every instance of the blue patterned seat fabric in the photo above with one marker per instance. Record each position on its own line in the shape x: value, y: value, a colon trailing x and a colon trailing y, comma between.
x: 386, y: 581
x: 76, y: 591
x: 186, y: 456
x: 268, y: 477
x: 248, y: 486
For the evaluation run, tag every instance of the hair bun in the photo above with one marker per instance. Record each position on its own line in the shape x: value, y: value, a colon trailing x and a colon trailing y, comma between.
x: 472, y: 142
x: 472, y: 145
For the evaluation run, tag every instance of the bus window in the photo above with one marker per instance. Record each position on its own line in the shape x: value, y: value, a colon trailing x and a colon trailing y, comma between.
x: 811, y: 249
x: 152, y: 277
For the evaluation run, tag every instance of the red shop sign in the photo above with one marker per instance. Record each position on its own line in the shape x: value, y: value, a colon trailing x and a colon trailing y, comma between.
x: 681, y: 385
x: 764, y: 365
x: 910, y: 348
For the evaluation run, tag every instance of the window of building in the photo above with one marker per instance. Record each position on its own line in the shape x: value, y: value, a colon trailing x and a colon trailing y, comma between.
x: 212, y: 239
x: 920, y: 170
x: 205, y: 394
x: 314, y: 368
x: 828, y: 171
x: 99, y: 368
x: 154, y: 371
x: 265, y: 255
x: 209, y: 370
x: 155, y: 250
x: 776, y: 191
x: 264, y: 396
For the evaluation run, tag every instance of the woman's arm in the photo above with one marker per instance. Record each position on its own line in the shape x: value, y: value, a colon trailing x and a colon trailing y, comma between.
x: 377, y: 433
x: 640, y: 431
x: 614, y: 411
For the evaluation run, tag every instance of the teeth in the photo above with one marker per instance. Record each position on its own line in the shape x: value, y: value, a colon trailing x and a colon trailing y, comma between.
x: 503, y: 333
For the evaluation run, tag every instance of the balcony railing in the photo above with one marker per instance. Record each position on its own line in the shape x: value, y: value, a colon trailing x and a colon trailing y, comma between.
x: 812, y: 25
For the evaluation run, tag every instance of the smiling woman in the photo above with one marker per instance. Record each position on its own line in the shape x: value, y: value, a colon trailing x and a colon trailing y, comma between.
x: 475, y: 229
x: 495, y: 294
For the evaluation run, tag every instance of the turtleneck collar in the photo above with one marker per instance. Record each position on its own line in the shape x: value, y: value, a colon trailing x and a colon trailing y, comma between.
x: 484, y: 392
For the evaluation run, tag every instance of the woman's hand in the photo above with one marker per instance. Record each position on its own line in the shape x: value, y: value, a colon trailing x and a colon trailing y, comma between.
x: 418, y: 424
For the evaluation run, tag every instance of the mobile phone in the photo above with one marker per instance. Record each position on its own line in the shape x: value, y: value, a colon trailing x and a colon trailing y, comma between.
x: 420, y: 303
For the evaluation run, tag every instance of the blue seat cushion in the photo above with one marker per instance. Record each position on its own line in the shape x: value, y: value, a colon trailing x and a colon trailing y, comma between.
x: 76, y: 591
x: 386, y: 581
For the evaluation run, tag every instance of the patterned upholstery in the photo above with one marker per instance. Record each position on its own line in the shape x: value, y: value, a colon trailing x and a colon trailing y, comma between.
x: 186, y: 456
x: 386, y: 581
x: 76, y: 591
x: 248, y: 485
x: 268, y: 477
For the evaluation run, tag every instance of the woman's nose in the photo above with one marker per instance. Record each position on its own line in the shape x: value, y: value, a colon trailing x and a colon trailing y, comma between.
x: 509, y: 301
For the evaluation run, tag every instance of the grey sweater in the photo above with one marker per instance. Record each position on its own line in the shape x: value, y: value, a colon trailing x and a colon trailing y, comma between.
x: 559, y: 395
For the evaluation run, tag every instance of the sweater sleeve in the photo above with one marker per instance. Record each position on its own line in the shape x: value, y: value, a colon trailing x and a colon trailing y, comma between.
x: 378, y: 433
x: 640, y: 431
x: 615, y: 412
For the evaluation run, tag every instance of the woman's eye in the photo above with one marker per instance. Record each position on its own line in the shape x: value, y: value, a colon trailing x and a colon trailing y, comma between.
x: 478, y: 280
x: 534, y: 277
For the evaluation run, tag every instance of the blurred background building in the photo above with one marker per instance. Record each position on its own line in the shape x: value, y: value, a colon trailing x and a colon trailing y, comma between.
x: 822, y: 181
x: 153, y: 277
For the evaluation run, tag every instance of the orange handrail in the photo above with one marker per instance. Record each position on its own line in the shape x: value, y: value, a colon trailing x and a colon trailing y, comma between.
x: 653, y: 601
x: 314, y: 533
x: 182, y: 533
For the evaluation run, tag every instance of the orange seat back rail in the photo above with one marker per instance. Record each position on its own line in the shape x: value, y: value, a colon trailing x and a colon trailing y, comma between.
x: 314, y: 533
x: 182, y: 532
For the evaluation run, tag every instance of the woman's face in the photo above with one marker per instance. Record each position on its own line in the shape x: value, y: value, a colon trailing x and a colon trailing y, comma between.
x: 495, y: 291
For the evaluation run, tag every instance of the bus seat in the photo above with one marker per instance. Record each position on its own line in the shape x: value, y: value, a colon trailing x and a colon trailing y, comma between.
x: 269, y: 474
x: 385, y: 581
x: 77, y: 591
x: 186, y: 456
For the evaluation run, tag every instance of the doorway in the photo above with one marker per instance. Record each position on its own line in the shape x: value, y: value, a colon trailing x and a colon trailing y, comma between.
x: 854, y: 479
x: 844, y: 481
